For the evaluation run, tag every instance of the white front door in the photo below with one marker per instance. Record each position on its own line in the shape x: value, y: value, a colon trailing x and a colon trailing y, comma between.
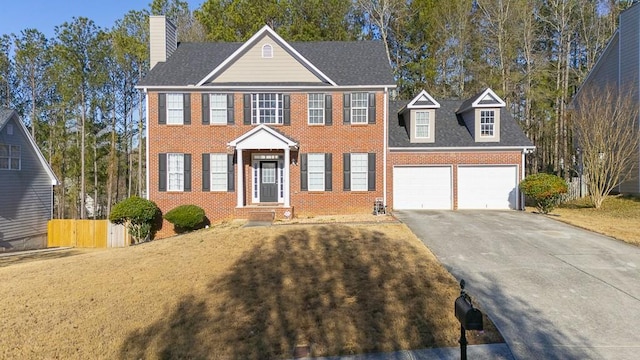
x: 267, y: 178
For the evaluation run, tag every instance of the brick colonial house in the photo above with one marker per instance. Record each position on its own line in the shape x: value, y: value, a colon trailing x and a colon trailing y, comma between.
x: 307, y: 128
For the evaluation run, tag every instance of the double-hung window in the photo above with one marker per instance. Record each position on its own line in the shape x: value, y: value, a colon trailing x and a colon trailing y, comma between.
x: 218, y: 108
x: 175, y: 172
x: 487, y: 122
x: 316, y: 109
x: 422, y: 124
x: 266, y: 108
x: 359, y: 168
x: 10, y: 157
x: 315, y: 172
x: 175, y: 109
x: 359, y: 107
x: 218, y: 172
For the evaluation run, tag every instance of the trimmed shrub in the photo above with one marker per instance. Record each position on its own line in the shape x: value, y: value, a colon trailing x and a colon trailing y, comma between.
x: 544, y: 189
x: 186, y: 218
x: 138, y: 214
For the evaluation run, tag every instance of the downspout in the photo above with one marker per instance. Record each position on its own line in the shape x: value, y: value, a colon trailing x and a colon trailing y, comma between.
x: 146, y: 124
x: 521, y: 197
x: 384, y: 146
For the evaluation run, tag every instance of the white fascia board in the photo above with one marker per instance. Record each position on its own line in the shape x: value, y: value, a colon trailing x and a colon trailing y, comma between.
x: 251, y: 41
x: 259, y: 128
x: 468, y: 148
x: 412, y: 103
x: 262, y: 88
x: 488, y: 91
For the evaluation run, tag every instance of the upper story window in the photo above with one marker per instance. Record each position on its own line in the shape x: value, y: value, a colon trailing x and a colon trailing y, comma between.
x: 422, y: 124
x: 175, y: 109
x: 267, y: 51
x: 10, y: 157
x: 316, y: 109
x: 266, y: 108
x: 487, y: 122
x: 218, y: 108
x: 175, y: 172
x: 359, y: 107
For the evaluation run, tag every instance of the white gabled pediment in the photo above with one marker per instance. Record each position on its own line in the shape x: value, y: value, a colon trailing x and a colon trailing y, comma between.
x: 488, y: 99
x: 423, y: 101
x: 262, y: 137
x: 280, y: 63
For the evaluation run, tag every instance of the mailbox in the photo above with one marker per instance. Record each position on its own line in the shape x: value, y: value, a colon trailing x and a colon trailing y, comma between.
x: 470, y: 318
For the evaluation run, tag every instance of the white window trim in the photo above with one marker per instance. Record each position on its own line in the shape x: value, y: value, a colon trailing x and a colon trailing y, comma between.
x: 321, y: 157
x: 169, y: 172
x: 11, y: 156
x: 169, y: 104
x: 321, y: 108
x: 221, y: 157
x: 366, y: 171
x: 427, y: 125
x: 365, y: 108
x: 222, y: 109
x: 267, y: 51
x: 255, y: 109
x: 492, y: 124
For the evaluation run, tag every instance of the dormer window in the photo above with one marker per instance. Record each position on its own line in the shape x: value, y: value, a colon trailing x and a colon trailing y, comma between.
x: 423, y: 124
x: 420, y: 118
x: 487, y: 123
x: 267, y: 51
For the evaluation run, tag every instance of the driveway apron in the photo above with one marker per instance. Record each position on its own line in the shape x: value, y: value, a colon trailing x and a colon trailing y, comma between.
x: 553, y: 290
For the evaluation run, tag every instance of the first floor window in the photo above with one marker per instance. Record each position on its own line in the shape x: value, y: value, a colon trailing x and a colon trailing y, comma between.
x: 9, y: 157
x: 175, y: 109
x: 175, y: 172
x: 359, y: 107
x: 266, y: 108
x: 359, y: 167
x: 487, y: 122
x: 422, y: 124
x: 315, y: 172
x: 316, y: 109
x: 218, y: 108
x: 218, y: 172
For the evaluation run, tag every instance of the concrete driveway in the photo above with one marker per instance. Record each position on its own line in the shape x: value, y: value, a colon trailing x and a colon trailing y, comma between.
x: 553, y: 290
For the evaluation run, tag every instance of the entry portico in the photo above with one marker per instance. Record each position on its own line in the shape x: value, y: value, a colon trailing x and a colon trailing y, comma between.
x: 270, y: 166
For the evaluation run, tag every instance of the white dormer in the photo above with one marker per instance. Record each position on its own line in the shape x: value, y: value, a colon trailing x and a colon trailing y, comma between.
x: 481, y: 114
x: 420, y: 118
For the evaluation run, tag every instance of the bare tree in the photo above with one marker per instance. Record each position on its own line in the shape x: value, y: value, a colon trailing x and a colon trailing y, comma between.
x: 605, y: 126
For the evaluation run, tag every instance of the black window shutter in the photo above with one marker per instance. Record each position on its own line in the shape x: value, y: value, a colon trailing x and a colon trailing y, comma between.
x: 206, y: 176
x: 303, y: 173
x: 346, y: 109
x: 230, y: 173
x: 346, y: 175
x: 286, y: 109
x: 328, y: 173
x: 162, y: 172
x: 205, y: 109
x: 372, y: 108
x: 230, y: 112
x: 328, y: 107
x: 187, y: 172
x: 247, y: 109
x: 162, y: 108
x: 186, y: 106
x: 372, y: 171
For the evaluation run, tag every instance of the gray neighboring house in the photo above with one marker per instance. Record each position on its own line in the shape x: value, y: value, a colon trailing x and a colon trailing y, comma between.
x: 26, y: 199
x: 619, y: 67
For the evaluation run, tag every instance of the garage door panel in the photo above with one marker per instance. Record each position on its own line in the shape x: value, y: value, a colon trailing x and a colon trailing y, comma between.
x: 422, y: 187
x: 487, y: 187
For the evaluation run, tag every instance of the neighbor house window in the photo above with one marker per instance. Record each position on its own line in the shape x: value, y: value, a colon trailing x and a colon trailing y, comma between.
x: 266, y: 108
x: 267, y: 51
x: 175, y: 109
x: 218, y: 108
x: 315, y: 172
x: 359, y: 167
x: 316, y: 108
x: 487, y: 122
x: 175, y: 172
x: 10, y: 157
x: 422, y: 124
x: 218, y: 172
x: 359, y: 106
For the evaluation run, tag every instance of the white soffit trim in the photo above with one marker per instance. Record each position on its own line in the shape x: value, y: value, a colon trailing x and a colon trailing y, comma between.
x: 423, y: 96
x: 474, y: 148
x: 488, y: 95
x: 252, y: 41
x: 262, y: 137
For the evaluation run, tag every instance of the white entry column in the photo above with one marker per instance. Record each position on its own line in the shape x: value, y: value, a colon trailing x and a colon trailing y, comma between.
x: 240, y: 179
x: 287, y: 166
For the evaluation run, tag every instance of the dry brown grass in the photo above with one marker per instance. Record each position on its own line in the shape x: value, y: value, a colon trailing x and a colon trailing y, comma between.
x: 618, y: 217
x: 234, y: 293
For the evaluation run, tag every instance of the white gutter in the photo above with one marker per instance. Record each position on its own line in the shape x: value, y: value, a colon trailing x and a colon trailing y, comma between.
x: 384, y: 147
x: 146, y: 122
x: 253, y: 88
x: 466, y: 148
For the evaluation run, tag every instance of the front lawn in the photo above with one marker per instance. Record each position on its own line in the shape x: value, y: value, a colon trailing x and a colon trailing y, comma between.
x: 618, y: 217
x: 235, y: 293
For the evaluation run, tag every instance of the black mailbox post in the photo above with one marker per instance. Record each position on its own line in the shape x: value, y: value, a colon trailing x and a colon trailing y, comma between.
x: 470, y: 318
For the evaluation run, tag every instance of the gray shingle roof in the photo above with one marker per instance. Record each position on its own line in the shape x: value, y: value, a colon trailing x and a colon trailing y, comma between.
x: 344, y: 62
x: 5, y: 115
x: 450, y: 130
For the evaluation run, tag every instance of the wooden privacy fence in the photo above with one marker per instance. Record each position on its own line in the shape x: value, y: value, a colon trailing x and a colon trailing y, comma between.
x: 86, y: 234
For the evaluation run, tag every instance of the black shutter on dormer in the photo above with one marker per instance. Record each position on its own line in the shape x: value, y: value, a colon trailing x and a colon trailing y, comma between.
x: 328, y: 110
x: 186, y: 106
x: 230, y: 111
x: 346, y: 109
x: 162, y: 109
x: 372, y: 108
x: 205, y: 109
x: 246, y: 109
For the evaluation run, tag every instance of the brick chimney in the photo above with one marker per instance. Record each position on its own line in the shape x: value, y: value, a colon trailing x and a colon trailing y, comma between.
x: 163, y: 39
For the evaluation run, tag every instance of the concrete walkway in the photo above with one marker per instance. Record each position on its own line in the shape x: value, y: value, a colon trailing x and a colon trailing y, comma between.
x: 554, y: 291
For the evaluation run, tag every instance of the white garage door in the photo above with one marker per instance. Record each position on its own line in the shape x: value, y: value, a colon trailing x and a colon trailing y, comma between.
x: 423, y: 187
x: 487, y: 187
